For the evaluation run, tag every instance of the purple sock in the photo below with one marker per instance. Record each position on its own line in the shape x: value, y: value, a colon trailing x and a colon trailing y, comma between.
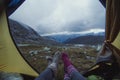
x: 66, y: 76
x: 67, y: 64
x: 66, y: 60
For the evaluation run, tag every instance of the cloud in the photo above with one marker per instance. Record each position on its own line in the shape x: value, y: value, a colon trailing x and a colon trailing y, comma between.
x: 32, y: 11
x: 69, y: 32
x: 51, y: 16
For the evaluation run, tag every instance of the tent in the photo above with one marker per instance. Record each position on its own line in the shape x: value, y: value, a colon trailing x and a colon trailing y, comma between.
x: 112, y: 33
x: 111, y: 45
x: 12, y: 61
x: 10, y: 58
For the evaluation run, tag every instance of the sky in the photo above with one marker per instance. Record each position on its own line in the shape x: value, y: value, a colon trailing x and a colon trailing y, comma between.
x: 62, y: 16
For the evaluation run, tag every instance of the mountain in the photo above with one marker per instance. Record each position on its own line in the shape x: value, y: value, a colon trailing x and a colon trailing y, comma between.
x: 64, y: 37
x: 60, y: 38
x: 88, y: 40
x: 24, y: 34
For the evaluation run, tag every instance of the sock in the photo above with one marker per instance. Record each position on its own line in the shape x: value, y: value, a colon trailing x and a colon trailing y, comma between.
x: 69, y: 68
x: 66, y: 76
x: 66, y: 60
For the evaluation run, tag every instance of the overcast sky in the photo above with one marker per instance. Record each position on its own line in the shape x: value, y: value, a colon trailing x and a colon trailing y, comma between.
x: 62, y: 16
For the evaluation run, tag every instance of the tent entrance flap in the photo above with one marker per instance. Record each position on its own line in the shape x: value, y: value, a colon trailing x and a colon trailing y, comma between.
x: 10, y: 58
x: 116, y: 42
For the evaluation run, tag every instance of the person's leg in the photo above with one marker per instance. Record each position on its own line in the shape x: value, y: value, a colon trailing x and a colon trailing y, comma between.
x: 66, y: 76
x: 54, y: 64
x: 71, y: 70
x: 74, y: 73
x: 49, y: 72
x: 46, y: 75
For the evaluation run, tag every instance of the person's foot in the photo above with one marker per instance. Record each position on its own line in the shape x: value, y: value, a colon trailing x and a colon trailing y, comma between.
x: 66, y: 60
x: 64, y: 55
x: 68, y: 67
x: 49, y: 59
x: 56, y: 57
x: 55, y: 61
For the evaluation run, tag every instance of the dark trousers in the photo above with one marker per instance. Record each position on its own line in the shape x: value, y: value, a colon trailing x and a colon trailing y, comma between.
x: 49, y: 75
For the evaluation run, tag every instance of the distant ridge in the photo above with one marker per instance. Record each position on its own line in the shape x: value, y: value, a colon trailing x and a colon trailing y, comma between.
x: 88, y: 40
x: 63, y: 38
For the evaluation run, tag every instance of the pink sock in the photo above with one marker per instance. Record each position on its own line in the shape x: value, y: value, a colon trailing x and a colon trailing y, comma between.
x: 66, y: 60
x: 67, y: 64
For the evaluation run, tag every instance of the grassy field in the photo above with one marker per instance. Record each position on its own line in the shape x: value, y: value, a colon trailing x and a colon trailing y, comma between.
x: 82, y: 57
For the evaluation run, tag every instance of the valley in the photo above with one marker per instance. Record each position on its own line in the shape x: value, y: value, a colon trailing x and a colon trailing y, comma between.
x: 82, y: 49
x: 82, y: 57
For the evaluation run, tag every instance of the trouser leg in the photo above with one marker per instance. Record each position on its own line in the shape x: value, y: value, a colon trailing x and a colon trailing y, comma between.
x: 66, y: 76
x: 74, y: 73
x: 46, y: 75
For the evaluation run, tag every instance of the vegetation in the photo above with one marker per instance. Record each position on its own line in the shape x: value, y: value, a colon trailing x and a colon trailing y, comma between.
x: 82, y: 57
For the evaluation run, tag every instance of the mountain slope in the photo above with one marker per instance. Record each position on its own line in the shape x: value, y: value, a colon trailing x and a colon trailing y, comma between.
x: 59, y: 38
x: 63, y: 37
x: 24, y: 34
x: 88, y: 40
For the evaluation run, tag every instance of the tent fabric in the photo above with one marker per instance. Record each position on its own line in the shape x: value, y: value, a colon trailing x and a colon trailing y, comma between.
x: 112, y: 20
x: 10, y: 58
x: 116, y: 46
x: 103, y: 2
x: 13, y: 3
x: 13, y: 6
x: 113, y: 27
x: 116, y: 42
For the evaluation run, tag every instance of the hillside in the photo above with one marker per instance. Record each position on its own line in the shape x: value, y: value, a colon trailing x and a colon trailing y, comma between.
x: 23, y: 34
x: 63, y: 37
x: 59, y: 38
x: 88, y: 40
